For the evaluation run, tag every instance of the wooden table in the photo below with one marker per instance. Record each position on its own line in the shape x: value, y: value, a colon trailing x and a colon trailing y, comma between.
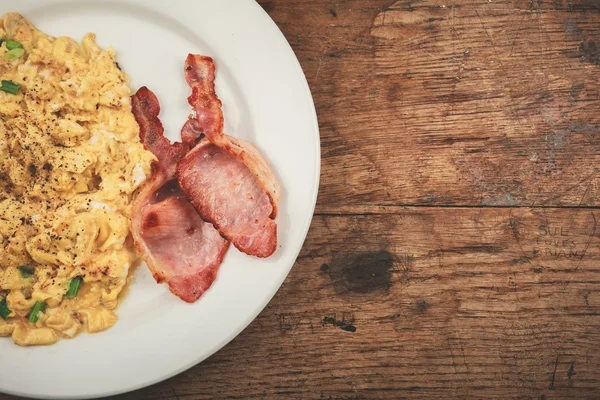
x: 454, y: 251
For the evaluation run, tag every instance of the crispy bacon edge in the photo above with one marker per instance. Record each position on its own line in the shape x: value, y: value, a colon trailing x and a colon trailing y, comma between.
x: 200, y: 76
x: 146, y: 108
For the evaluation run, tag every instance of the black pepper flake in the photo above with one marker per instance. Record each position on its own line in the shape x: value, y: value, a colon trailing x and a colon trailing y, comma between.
x: 32, y: 169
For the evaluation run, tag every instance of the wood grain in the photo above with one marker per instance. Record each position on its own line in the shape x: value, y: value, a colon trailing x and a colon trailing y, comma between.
x: 455, y: 249
x: 461, y: 103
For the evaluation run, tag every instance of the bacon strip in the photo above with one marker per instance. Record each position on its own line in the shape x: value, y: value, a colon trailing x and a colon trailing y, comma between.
x: 227, y: 180
x: 145, y: 108
x: 178, y: 246
x: 224, y: 192
x: 200, y: 76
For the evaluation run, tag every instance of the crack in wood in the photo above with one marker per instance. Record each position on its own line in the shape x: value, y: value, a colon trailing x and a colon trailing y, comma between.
x: 554, y: 374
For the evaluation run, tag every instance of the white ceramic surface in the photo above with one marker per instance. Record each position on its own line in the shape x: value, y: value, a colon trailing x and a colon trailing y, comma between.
x: 267, y: 102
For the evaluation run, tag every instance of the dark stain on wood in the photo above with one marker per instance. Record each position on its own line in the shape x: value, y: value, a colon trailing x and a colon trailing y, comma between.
x: 343, y: 325
x: 422, y: 306
x: 572, y: 28
x: 361, y: 273
x: 589, y: 51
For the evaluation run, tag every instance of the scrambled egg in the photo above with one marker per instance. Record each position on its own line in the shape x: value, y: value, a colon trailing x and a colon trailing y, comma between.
x: 70, y: 161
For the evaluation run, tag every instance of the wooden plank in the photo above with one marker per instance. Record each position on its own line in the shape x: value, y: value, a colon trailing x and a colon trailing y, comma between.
x: 426, y: 303
x: 452, y: 103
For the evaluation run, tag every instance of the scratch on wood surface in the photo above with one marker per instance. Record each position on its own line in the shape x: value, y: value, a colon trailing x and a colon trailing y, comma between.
x: 515, y: 234
x: 459, y: 72
x: 321, y: 57
x: 452, y: 356
x: 586, y: 297
x: 489, y: 37
x: 518, y: 28
x: 583, y: 254
x: 462, y: 350
x: 570, y: 374
x: 589, y: 177
x: 554, y: 374
x: 587, y: 188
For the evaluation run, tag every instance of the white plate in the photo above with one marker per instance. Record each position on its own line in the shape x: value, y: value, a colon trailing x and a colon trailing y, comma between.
x: 267, y: 102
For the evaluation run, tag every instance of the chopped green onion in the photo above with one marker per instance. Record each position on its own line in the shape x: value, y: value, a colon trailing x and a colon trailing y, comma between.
x: 10, y: 87
x: 73, y: 288
x: 11, y: 44
x: 4, y: 310
x: 26, y: 272
x: 14, y: 54
x: 37, y: 307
